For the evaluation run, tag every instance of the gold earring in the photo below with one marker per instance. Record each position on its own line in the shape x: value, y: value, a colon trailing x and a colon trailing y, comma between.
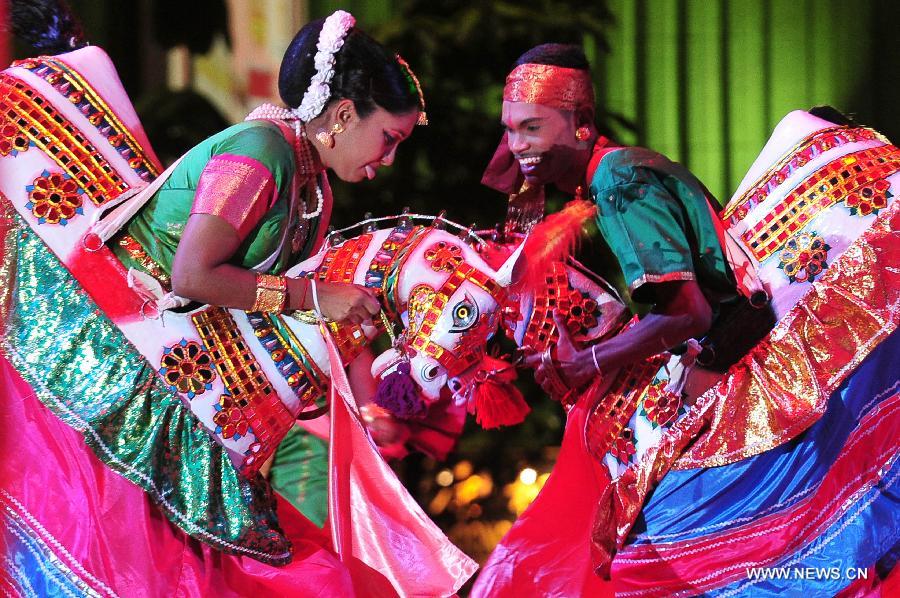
x: 326, y: 138
x: 582, y: 133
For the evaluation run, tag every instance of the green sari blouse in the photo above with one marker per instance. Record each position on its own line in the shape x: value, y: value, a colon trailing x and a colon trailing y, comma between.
x: 256, y: 149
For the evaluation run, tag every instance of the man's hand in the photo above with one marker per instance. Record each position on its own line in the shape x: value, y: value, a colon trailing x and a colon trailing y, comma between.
x: 571, y: 366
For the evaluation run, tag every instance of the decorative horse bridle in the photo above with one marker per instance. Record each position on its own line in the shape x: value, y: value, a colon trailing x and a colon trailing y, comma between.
x: 447, y: 257
x: 341, y: 261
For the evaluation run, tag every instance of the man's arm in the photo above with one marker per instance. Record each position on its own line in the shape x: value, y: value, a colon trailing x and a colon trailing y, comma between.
x: 680, y: 312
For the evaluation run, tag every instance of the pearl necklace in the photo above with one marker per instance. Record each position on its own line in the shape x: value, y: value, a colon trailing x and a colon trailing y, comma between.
x: 272, y: 112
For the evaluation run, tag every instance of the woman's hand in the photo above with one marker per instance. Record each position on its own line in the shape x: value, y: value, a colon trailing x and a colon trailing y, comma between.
x: 347, y: 303
x: 201, y: 272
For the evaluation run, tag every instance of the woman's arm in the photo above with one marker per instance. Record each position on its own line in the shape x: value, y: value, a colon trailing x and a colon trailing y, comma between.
x: 201, y: 272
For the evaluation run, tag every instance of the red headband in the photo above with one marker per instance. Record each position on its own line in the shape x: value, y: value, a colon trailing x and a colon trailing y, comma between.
x: 554, y: 86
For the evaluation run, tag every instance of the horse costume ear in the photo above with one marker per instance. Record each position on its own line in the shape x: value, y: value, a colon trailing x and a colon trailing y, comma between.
x: 513, y: 268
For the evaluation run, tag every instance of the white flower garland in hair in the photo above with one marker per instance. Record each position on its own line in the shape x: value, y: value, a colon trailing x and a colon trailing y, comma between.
x: 331, y: 39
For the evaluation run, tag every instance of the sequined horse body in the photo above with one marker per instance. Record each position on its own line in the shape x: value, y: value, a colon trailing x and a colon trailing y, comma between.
x: 122, y: 405
x: 803, y: 203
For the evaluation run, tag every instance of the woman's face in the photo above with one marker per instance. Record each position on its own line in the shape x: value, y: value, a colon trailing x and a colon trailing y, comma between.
x: 542, y: 139
x: 367, y: 143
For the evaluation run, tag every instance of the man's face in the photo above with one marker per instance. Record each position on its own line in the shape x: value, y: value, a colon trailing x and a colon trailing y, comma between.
x: 542, y: 139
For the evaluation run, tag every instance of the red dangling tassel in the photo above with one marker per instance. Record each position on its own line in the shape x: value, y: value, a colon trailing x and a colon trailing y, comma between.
x: 497, y: 401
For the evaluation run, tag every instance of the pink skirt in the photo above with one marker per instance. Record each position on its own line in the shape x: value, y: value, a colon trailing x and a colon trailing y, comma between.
x: 70, y: 523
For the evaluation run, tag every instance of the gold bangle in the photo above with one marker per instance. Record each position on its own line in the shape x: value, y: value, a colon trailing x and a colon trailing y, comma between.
x: 271, y: 293
x: 271, y: 282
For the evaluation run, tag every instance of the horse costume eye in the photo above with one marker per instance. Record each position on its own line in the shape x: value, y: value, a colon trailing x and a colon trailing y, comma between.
x: 430, y: 372
x: 465, y: 314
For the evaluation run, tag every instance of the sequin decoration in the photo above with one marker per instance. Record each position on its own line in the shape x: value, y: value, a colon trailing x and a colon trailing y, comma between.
x: 340, y: 265
x: 54, y: 135
x: 54, y: 198
x: 391, y: 262
x: 12, y: 140
x: 660, y: 406
x: 350, y: 339
x: 251, y: 402
x: 187, y: 368
x: 803, y: 257
x: 470, y: 349
x: 340, y: 262
x: 797, y: 157
x: 623, y: 448
x: 541, y: 329
x: 828, y: 186
x: 420, y: 299
x: 782, y: 386
x: 608, y: 419
x: 290, y: 357
x: 71, y: 85
x: 511, y: 314
x: 582, y: 312
x: 868, y: 199
x: 394, y: 243
x: 444, y: 257
x: 229, y: 419
x: 87, y: 373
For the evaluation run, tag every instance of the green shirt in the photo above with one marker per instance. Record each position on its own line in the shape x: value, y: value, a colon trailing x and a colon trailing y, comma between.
x: 656, y: 217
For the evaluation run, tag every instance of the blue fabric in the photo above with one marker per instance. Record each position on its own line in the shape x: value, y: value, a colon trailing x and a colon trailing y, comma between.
x: 842, y: 553
x: 30, y: 566
x: 695, y: 503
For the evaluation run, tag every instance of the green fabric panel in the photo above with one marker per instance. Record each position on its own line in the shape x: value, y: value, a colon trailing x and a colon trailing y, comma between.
x: 704, y: 117
x: 788, y: 80
x: 299, y: 473
x: 160, y: 223
x: 779, y: 56
x: 83, y: 369
x: 746, y: 91
x: 618, y: 79
x: 655, y: 217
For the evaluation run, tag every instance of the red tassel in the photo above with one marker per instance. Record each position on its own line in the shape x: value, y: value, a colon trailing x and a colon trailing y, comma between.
x: 497, y: 401
x: 499, y: 404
